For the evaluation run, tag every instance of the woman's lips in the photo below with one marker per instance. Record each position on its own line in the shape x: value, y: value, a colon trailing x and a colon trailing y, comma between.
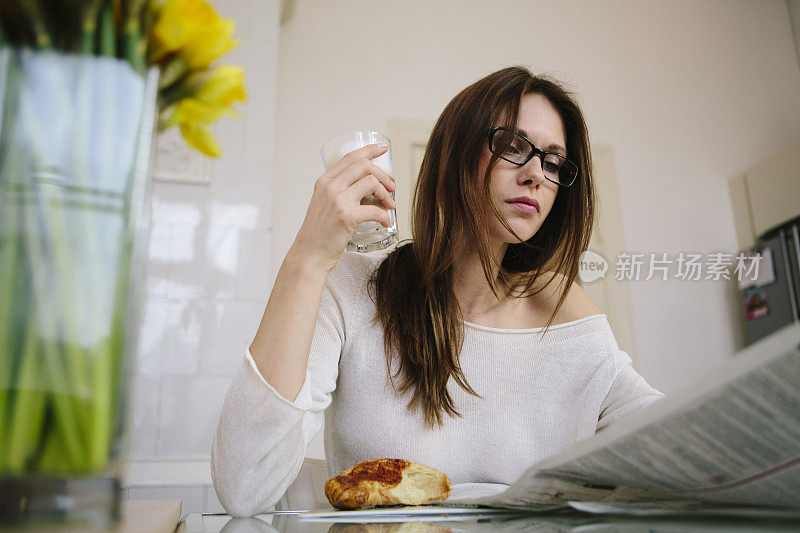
x: 525, y: 208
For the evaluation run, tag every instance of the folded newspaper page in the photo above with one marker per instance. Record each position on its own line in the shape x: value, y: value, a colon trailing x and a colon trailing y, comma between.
x: 733, y: 438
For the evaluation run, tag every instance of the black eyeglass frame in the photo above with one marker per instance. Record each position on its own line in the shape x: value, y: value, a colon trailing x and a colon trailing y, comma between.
x: 534, y: 152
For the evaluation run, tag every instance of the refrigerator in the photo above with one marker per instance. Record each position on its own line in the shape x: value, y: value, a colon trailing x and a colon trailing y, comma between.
x: 773, y: 300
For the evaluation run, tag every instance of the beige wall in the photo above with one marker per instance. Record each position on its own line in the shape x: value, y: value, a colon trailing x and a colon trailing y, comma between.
x: 688, y: 94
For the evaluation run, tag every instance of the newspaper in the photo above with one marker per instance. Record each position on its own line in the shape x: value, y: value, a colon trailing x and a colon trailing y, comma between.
x: 733, y: 438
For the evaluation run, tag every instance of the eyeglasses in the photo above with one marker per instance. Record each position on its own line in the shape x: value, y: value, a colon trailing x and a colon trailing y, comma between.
x: 515, y: 148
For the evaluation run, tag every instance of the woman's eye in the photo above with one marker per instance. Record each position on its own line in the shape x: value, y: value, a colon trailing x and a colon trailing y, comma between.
x: 512, y: 150
x: 551, y: 166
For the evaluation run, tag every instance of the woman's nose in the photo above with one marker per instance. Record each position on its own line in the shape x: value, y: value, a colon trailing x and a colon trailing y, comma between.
x: 532, y: 172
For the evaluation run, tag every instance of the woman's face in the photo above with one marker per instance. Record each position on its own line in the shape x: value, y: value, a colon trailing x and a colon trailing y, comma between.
x: 540, y: 122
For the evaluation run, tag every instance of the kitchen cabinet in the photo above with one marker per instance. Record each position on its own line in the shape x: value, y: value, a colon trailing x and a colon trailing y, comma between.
x: 767, y: 195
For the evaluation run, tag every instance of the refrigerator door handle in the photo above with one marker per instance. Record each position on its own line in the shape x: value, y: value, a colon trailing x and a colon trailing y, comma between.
x: 788, y: 269
x: 795, y: 303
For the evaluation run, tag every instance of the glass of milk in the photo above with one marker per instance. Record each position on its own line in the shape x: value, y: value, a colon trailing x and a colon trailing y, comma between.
x: 368, y: 236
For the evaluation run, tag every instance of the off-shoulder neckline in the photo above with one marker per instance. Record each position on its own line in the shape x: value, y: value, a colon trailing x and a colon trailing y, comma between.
x: 563, y: 325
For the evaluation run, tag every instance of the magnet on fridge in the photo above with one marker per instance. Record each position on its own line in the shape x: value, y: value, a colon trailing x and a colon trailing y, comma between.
x: 756, y: 303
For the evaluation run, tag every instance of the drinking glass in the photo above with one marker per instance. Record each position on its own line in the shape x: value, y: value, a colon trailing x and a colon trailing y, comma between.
x: 368, y: 236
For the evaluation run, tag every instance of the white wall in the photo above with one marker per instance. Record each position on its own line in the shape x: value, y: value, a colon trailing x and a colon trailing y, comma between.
x: 207, y: 281
x: 688, y: 94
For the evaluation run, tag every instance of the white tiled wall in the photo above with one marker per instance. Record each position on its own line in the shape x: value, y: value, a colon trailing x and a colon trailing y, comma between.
x: 187, y: 481
x: 206, y: 277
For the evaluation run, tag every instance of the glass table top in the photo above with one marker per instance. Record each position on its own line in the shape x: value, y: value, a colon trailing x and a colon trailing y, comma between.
x: 507, y: 522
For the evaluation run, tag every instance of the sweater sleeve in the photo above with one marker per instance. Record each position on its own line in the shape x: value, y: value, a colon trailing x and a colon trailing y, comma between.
x: 629, y: 391
x: 261, y: 438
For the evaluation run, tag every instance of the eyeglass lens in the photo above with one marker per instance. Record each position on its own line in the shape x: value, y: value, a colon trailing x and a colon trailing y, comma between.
x: 518, y: 151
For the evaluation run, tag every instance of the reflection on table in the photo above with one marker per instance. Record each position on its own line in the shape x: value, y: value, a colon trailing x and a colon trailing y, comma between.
x: 510, y: 523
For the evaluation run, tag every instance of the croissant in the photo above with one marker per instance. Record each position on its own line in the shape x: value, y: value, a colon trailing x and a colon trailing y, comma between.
x: 386, y: 482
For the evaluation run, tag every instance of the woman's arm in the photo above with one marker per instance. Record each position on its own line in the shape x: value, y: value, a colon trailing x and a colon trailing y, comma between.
x: 275, y: 404
x: 262, y: 436
x: 629, y: 391
x: 281, y: 345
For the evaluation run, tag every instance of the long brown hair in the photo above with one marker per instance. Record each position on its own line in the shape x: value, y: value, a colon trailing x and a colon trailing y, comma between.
x: 413, y: 286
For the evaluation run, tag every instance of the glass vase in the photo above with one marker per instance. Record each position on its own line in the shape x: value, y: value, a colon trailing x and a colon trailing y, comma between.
x: 75, y: 147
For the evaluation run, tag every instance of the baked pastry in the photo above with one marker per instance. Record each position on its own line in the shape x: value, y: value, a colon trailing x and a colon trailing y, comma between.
x: 386, y: 482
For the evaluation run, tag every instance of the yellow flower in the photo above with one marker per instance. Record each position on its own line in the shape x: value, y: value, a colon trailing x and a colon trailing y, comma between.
x: 192, y: 115
x: 213, y: 96
x: 186, y: 38
x: 193, y: 30
x: 223, y: 87
x: 201, y: 138
x: 192, y: 110
x: 213, y: 43
x: 210, y: 97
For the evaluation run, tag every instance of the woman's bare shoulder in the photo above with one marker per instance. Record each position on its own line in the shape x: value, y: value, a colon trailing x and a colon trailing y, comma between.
x: 577, y: 304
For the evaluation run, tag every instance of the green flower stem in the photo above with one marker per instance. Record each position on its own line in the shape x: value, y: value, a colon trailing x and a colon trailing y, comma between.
x: 52, y: 460
x: 89, y: 27
x: 108, y: 35
x: 107, y: 404
x: 53, y: 369
x: 103, y: 401
x: 99, y: 431
x: 12, y: 304
x: 11, y: 268
x: 8, y: 280
x: 177, y: 92
x: 29, y: 405
x: 172, y: 71
x: 57, y: 243
x: 80, y: 362
x: 134, y: 43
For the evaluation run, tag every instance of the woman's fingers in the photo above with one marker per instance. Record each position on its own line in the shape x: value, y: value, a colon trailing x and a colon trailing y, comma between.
x: 361, y: 190
x: 376, y: 214
x: 357, y: 164
x: 361, y: 168
x: 354, y: 190
x: 370, y: 151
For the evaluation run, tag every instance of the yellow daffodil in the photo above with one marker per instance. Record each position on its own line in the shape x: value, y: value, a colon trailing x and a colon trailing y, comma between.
x: 210, y: 45
x: 187, y: 36
x: 193, y: 30
x: 201, y: 138
x: 223, y: 87
x: 211, y: 97
x: 192, y: 111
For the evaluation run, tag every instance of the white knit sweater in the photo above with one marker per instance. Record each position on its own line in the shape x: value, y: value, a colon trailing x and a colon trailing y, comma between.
x: 538, y: 395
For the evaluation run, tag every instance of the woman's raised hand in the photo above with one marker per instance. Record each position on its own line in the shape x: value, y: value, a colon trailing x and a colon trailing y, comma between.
x: 335, y: 208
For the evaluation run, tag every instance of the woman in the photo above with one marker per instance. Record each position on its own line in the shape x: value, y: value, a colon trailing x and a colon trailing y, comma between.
x: 470, y: 349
